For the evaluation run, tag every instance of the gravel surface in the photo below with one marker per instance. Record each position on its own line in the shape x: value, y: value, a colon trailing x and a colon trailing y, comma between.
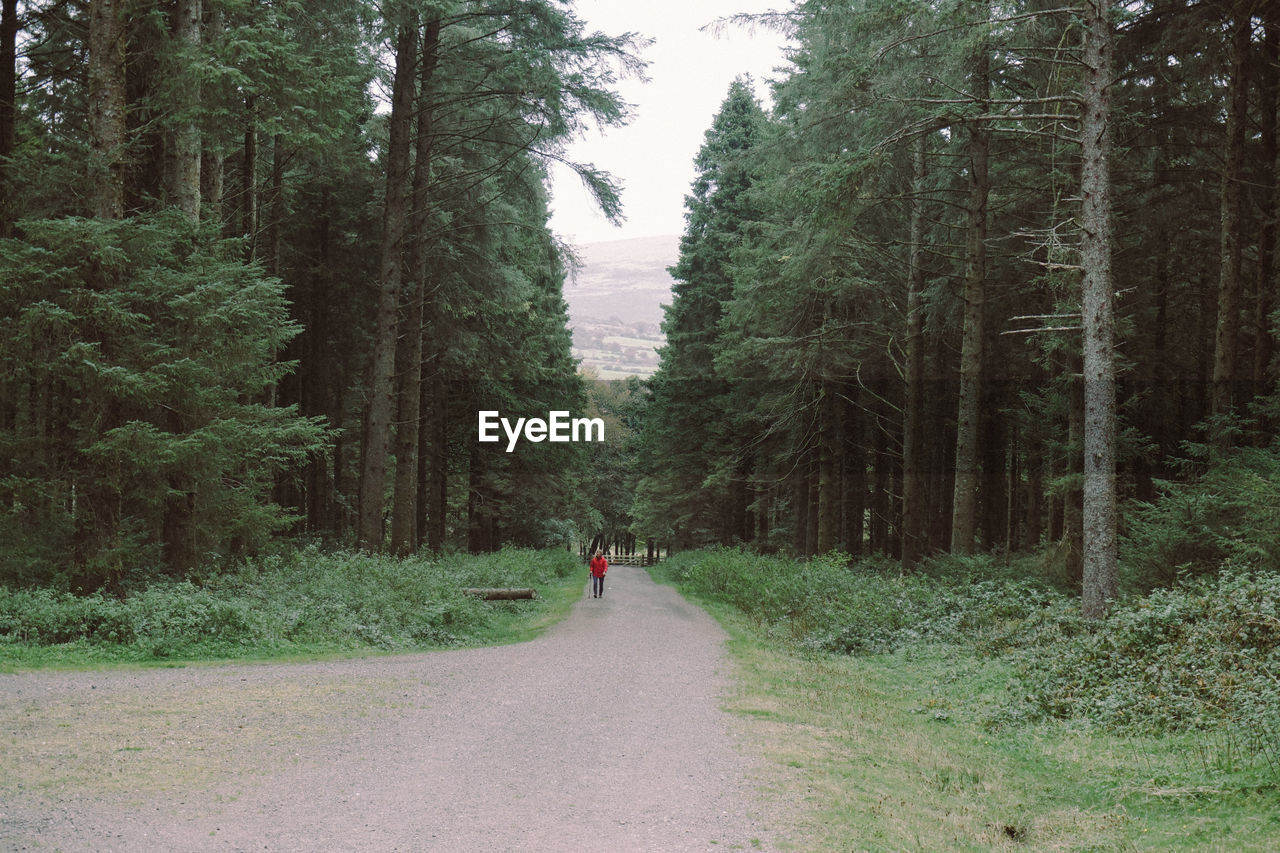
x: 604, y: 734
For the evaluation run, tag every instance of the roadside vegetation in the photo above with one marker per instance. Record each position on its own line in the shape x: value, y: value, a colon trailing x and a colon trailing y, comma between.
x: 969, y: 705
x: 306, y: 602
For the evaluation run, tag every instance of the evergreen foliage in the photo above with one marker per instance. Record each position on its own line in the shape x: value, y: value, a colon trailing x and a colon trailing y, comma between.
x: 896, y: 310
x: 136, y: 352
x: 1229, y: 515
x: 694, y: 484
x: 174, y: 393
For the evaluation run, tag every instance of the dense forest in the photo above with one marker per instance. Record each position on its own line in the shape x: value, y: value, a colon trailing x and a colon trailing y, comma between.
x: 993, y: 277
x: 985, y: 276
x: 264, y: 262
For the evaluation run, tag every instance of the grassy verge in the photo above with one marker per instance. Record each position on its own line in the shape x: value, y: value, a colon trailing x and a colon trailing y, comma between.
x: 897, y: 750
x: 305, y: 605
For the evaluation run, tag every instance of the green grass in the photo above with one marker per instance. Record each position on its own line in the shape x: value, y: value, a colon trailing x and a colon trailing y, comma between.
x: 519, y: 622
x: 890, y: 752
x: 304, y: 605
x: 897, y: 750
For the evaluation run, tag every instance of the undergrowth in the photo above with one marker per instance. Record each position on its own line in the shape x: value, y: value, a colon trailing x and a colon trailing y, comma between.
x: 1203, y: 656
x: 306, y: 600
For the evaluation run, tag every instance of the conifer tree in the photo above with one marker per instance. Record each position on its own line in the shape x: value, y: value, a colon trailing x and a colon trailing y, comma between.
x: 691, y: 437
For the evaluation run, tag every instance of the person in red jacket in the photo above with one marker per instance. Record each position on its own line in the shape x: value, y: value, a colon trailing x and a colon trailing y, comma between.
x: 599, y: 565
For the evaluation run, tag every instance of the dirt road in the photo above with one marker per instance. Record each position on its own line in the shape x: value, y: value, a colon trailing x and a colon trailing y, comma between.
x: 605, y: 734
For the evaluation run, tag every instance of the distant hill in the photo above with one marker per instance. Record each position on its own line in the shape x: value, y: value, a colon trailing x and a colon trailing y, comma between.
x: 615, y: 304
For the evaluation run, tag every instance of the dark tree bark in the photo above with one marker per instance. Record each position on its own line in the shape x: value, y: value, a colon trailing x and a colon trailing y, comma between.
x: 107, y: 103
x: 882, y: 465
x: 1226, y: 338
x: 1034, y: 529
x: 182, y: 188
x: 915, y: 533
x: 318, y: 393
x: 1073, y: 500
x: 182, y: 165
x: 500, y: 594
x: 381, y: 406
x: 1269, y: 84
x: 800, y: 496
x: 995, y: 444
x: 276, y: 212
x: 828, y: 481
x: 211, y: 158
x: 8, y: 107
x: 249, y: 179
x: 1099, y: 512
x: 439, y: 465
x: 940, y: 438
x: 968, y: 417
x: 855, y: 475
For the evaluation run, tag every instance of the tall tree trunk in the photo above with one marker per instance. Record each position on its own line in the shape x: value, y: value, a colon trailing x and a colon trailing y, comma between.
x: 881, y: 499
x: 1073, y: 498
x: 854, y: 476
x: 1099, y: 355
x: 811, y: 528
x: 404, y: 511
x: 1163, y: 426
x: 1226, y: 339
x: 940, y: 438
x: 422, y: 516
x: 482, y: 523
x: 318, y: 390
x: 107, y: 105
x: 828, y: 481
x: 764, y: 508
x: 915, y: 530
x: 182, y: 166
x: 8, y: 109
x: 994, y: 444
x: 800, y: 495
x: 211, y: 181
x: 182, y: 190
x: 439, y: 464
x: 1269, y: 83
x: 276, y: 212
x: 211, y: 157
x: 381, y: 387
x: 249, y: 179
x: 1034, y: 489
x: 741, y: 492
x: 968, y: 417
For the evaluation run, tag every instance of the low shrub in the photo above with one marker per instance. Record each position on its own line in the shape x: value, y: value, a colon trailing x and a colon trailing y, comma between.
x: 45, y: 617
x: 310, y: 598
x: 1229, y: 514
x: 1202, y: 655
x: 831, y: 604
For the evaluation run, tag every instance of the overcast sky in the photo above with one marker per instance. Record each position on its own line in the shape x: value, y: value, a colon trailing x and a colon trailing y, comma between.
x: 689, y: 75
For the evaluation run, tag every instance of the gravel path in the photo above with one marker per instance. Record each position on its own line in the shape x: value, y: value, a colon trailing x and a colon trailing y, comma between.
x: 604, y: 734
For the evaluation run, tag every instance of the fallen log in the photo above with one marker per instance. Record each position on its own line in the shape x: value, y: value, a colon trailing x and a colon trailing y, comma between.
x: 501, y: 594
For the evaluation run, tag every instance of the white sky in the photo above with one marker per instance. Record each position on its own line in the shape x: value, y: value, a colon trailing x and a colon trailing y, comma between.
x: 689, y: 74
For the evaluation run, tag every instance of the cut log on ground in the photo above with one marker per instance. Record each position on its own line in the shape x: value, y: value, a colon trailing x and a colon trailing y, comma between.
x: 501, y: 594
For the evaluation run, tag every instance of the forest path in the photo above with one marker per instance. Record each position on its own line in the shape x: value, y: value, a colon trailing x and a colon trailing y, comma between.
x: 606, y: 734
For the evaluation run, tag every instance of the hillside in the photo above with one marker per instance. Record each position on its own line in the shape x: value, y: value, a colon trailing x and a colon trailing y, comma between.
x: 615, y: 304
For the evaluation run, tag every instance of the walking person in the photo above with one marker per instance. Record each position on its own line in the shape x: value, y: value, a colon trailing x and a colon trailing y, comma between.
x: 599, y: 565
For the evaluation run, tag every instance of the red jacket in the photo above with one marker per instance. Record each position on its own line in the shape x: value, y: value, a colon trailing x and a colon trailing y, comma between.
x: 599, y: 565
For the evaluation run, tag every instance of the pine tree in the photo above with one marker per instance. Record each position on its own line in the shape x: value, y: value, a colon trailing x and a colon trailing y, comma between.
x: 693, y: 450
x: 140, y: 345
